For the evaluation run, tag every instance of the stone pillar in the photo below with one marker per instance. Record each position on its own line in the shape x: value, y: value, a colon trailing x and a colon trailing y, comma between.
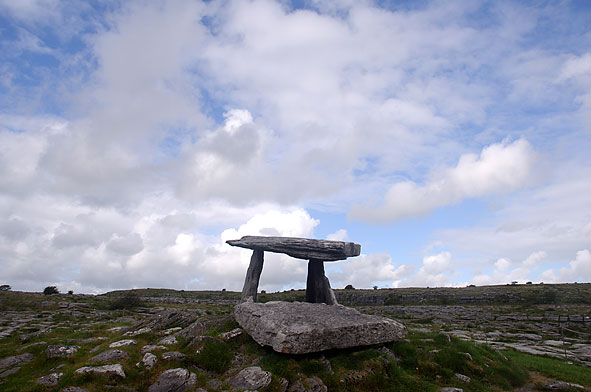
x: 253, y: 275
x: 317, y: 285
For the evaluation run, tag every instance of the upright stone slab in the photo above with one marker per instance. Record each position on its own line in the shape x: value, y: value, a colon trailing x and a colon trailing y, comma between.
x: 253, y: 275
x: 317, y: 285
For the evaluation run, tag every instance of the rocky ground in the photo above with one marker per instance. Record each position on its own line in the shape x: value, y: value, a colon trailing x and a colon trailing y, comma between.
x: 77, y: 343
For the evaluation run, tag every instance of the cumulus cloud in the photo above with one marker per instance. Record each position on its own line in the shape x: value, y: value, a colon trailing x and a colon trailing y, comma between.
x: 365, y: 271
x: 500, y: 168
x: 180, y: 124
x: 435, y: 271
x: 578, y: 270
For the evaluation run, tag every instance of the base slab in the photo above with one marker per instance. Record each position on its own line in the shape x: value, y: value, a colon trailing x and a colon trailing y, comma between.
x: 301, y: 327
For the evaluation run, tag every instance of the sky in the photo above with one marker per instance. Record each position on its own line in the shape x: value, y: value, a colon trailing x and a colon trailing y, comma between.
x: 450, y: 139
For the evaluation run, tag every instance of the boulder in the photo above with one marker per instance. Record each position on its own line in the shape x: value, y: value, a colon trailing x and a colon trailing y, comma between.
x: 109, y: 370
x: 61, y: 351
x: 300, y: 328
x: 148, y: 361
x: 16, y: 360
x: 176, y: 380
x: 250, y: 378
x: 109, y: 356
x: 74, y: 389
x: 50, y: 380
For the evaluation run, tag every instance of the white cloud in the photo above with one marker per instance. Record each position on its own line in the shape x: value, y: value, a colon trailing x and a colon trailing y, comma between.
x: 578, y: 270
x: 436, y: 271
x: 365, y: 271
x: 339, y: 235
x: 500, y: 168
x: 323, y: 108
x: 576, y: 66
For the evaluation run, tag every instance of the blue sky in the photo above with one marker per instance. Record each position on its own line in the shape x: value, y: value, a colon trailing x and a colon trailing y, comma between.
x: 449, y: 139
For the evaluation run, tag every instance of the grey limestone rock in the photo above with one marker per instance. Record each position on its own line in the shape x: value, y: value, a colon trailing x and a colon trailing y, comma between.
x: 173, y: 356
x: 16, y: 360
x: 61, y: 351
x: 122, y: 343
x: 214, y: 383
x: 300, y: 248
x: 109, y: 356
x: 174, y: 380
x: 250, y: 378
x: 462, y: 377
x: 148, y: 361
x: 9, y: 372
x: 299, y: 328
x: 109, y: 370
x: 231, y: 334
x: 563, y: 386
x: 312, y: 384
x: 152, y: 347
x: 451, y: 389
x: 168, y: 340
x: 74, y: 389
x: 50, y: 380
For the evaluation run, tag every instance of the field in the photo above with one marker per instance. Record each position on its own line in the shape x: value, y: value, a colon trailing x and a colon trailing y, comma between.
x: 516, y: 337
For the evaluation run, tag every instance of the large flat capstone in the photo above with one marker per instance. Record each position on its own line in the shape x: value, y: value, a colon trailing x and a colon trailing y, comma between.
x: 300, y: 248
x: 301, y: 327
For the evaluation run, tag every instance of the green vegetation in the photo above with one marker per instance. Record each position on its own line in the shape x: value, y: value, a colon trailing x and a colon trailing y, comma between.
x: 551, y: 367
x: 424, y: 361
x: 49, y: 290
x: 129, y: 301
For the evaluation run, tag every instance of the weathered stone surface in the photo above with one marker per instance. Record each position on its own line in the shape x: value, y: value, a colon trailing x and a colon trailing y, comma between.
x: 61, y: 351
x: 168, y: 340
x: 173, y: 356
x: 9, y: 372
x: 299, y: 328
x: 152, y: 347
x: 122, y: 343
x: 138, y: 331
x: 174, y: 380
x: 563, y: 386
x: 168, y: 331
x: 301, y: 248
x: 317, y: 285
x: 462, y: 377
x: 451, y: 389
x: 16, y: 360
x: 109, y: 370
x: 163, y: 320
x: 109, y: 356
x: 148, y: 361
x: 231, y: 334
x: 250, y: 378
x: 253, y: 275
x: 311, y: 384
x: 74, y: 389
x: 50, y: 380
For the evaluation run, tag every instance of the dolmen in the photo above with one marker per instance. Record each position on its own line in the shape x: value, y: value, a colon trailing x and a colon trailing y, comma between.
x: 318, y: 324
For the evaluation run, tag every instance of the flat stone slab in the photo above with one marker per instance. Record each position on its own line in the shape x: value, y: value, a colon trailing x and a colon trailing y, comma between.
x: 301, y: 327
x: 300, y: 248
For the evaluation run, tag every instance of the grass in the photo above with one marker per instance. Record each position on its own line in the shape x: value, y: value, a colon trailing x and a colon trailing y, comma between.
x: 422, y: 362
x: 551, y: 367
